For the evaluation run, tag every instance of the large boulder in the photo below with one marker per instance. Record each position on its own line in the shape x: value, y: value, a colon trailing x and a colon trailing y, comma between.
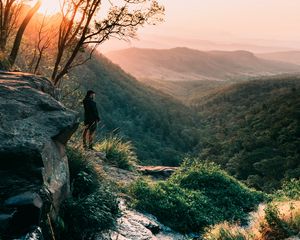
x: 34, y: 129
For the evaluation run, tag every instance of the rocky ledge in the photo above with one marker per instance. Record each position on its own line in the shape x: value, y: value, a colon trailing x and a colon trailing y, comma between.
x: 34, y: 129
x: 160, y: 172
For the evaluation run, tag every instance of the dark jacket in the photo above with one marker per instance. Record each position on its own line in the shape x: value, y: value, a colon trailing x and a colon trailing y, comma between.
x: 91, y: 114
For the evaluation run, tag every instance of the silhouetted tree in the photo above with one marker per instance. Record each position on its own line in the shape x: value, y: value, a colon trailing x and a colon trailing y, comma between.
x: 17, y: 42
x: 10, y: 24
x: 43, y: 42
x: 83, y: 28
x: 9, y: 14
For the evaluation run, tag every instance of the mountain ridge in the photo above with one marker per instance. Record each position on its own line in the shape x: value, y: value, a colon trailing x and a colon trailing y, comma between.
x: 185, y: 64
x: 284, y: 56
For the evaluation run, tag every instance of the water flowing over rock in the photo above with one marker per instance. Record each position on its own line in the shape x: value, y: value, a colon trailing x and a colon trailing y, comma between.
x: 133, y: 225
x: 34, y: 129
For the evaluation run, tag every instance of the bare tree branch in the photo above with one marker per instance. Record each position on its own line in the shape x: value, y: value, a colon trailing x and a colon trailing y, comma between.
x: 81, y: 27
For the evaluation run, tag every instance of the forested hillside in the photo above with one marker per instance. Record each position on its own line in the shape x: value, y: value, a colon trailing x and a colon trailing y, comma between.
x: 254, y: 130
x: 250, y: 129
x: 161, y: 128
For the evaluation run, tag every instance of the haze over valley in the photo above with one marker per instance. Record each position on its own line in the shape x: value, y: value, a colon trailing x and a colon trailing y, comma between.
x: 184, y: 72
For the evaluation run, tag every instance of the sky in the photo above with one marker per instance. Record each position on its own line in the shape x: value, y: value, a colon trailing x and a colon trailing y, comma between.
x: 270, y: 23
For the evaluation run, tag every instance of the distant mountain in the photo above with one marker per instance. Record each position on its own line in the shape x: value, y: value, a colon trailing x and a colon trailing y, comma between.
x: 166, y: 42
x: 184, y: 64
x: 288, y: 56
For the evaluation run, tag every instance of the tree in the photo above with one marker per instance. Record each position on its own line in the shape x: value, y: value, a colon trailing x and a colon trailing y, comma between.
x: 10, y: 13
x: 82, y: 29
x: 42, y: 43
x: 17, y: 42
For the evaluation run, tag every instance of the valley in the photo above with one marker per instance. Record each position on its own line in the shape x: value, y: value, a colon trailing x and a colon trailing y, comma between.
x: 187, y: 73
x: 231, y: 123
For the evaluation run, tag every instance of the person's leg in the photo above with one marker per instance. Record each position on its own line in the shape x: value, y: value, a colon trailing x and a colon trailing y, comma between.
x: 85, y: 136
x: 92, y: 131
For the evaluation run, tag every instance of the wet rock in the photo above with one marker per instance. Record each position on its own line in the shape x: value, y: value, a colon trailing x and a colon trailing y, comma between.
x: 133, y: 225
x: 157, y: 171
x: 35, y: 234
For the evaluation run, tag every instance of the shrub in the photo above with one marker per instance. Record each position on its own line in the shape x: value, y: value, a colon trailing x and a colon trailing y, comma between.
x: 224, y: 191
x: 196, y: 196
x: 93, y: 206
x: 176, y: 207
x: 290, y: 190
x: 225, y: 231
x: 85, y: 177
x: 276, y: 225
x: 86, y: 216
x: 118, y: 152
x: 275, y: 221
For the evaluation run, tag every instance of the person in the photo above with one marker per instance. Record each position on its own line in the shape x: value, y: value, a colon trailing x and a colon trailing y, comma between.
x: 91, y: 119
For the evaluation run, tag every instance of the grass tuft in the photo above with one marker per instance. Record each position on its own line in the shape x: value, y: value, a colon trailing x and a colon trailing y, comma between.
x: 118, y: 152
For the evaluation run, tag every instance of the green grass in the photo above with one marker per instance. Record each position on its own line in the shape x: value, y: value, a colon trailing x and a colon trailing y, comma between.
x: 118, y: 152
x: 196, y: 196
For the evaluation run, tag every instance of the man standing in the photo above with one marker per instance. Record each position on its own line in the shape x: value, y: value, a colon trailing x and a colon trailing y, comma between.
x: 91, y: 119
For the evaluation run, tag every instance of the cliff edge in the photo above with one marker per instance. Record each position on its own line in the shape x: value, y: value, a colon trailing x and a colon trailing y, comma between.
x: 34, y: 129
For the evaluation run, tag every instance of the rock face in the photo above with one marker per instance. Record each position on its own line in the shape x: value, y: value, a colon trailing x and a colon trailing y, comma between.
x: 34, y: 128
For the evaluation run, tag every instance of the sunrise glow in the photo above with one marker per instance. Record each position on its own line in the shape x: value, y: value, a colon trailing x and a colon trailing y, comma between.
x: 50, y: 7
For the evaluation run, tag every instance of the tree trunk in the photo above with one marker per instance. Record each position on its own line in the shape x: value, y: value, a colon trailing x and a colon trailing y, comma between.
x: 19, y: 36
x: 38, y: 61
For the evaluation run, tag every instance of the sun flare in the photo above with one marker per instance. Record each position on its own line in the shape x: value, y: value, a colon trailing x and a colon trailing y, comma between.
x: 50, y: 7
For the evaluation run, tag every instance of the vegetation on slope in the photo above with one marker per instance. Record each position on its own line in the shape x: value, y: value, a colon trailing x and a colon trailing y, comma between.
x: 278, y: 219
x: 93, y: 206
x: 196, y: 196
x: 253, y: 131
x: 187, y: 91
x: 161, y: 129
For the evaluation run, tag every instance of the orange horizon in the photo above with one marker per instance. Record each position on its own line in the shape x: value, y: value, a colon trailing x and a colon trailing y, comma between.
x: 274, y: 23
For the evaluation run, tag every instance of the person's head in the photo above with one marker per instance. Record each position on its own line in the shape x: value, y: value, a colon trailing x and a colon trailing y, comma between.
x: 90, y: 94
